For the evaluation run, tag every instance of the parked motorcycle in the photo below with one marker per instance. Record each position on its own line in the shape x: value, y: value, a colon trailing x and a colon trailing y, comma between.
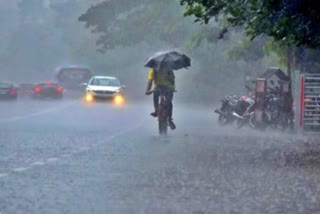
x: 228, y: 103
x: 243, y: 119
x: 271, y: 115
x: 248, y: 104
x: 231, y: 106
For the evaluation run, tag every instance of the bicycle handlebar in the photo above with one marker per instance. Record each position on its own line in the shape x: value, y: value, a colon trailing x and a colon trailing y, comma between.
x: 152, y: 91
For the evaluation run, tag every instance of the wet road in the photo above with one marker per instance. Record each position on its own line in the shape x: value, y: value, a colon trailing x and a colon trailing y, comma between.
x: 68, y: 157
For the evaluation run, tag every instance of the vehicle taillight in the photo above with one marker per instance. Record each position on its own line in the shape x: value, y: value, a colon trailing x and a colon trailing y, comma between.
x: 13, y: 91
x: 59, y: 89
x: 37, y: 89
x: 243, y: 98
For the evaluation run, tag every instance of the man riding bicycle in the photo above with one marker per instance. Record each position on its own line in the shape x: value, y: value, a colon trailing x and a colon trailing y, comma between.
x: 163, y: 80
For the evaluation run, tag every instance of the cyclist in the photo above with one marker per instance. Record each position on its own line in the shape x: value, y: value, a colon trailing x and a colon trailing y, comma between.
x: 165, y: 80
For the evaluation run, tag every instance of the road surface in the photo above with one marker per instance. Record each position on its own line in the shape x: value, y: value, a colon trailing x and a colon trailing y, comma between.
x: 68, y: 157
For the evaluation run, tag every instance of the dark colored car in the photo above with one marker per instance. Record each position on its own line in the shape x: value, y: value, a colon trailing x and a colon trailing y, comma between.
x: 48, y: 90
x: 73, y: 77
x: 8, y: 91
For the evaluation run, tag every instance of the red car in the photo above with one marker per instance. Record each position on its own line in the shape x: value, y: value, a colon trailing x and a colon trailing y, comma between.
x: 48, y: 90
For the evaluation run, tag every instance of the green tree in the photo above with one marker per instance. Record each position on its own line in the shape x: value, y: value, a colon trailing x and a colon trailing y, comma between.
x: 126, y: 22
x: 293, y: 22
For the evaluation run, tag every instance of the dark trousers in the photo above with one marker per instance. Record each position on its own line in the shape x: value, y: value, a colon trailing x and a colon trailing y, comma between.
x: 169, y: 97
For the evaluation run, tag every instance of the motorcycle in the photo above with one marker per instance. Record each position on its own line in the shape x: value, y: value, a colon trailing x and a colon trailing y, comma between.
x: 269, y: 116
x: 248, y: 104
x: 247, y: 114
x: 231, y: 106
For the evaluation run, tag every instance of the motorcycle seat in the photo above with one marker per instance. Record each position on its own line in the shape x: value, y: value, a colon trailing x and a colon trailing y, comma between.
x: 233, y: 102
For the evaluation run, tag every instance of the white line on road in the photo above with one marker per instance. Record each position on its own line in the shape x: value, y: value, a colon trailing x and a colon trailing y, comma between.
x: 54, y: 159
x: 38, y: 163
x: 2, y: 175
x: 81, y: 149
x: 39, y: 113
x: 20, y: 169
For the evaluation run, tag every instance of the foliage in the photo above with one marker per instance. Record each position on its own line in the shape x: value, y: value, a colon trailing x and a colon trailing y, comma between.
x: 248, y: 50
x: 136, y: 22
x: 293, y: 22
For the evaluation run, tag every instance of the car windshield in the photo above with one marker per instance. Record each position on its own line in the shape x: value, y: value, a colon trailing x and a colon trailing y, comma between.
x: 48, y: 84
x: 105, y: 82
x: 73, y: 75
x: 5, y: 85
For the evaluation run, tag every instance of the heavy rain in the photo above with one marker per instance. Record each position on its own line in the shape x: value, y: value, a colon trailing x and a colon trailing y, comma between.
x: 159, y: 106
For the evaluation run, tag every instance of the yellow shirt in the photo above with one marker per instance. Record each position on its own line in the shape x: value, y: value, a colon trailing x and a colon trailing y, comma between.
x: 162, y: 79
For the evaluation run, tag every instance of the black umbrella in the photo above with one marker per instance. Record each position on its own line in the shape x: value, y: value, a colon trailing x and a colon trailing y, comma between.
x: 171, y: 60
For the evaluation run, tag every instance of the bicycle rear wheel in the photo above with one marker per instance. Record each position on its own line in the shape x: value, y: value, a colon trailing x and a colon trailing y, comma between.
x: 163, y: 120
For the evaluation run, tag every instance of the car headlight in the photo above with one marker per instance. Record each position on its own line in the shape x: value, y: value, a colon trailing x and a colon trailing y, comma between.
x: 119, y: 100
x: 89, y: 90
x: 88, y: 98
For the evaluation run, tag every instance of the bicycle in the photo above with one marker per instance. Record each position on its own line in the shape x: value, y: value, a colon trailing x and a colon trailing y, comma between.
x: 163, y: 109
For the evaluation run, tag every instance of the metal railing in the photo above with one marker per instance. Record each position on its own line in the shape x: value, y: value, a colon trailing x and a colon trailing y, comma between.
x: 311, y: 103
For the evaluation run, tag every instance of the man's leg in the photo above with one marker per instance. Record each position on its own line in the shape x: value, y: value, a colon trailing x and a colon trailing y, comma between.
x: 155, y: 103
x: 170, y: 106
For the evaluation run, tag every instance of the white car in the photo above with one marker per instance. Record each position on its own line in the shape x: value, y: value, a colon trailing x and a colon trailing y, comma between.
x: 104, y: 87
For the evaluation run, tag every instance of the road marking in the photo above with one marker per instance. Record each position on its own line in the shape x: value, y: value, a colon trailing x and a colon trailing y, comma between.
x: 39, y: 113
x: 2, y: 175
x: 83, y: 148
x: 38, y: 163
x: 54, y: 159
x: 20, y: 169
